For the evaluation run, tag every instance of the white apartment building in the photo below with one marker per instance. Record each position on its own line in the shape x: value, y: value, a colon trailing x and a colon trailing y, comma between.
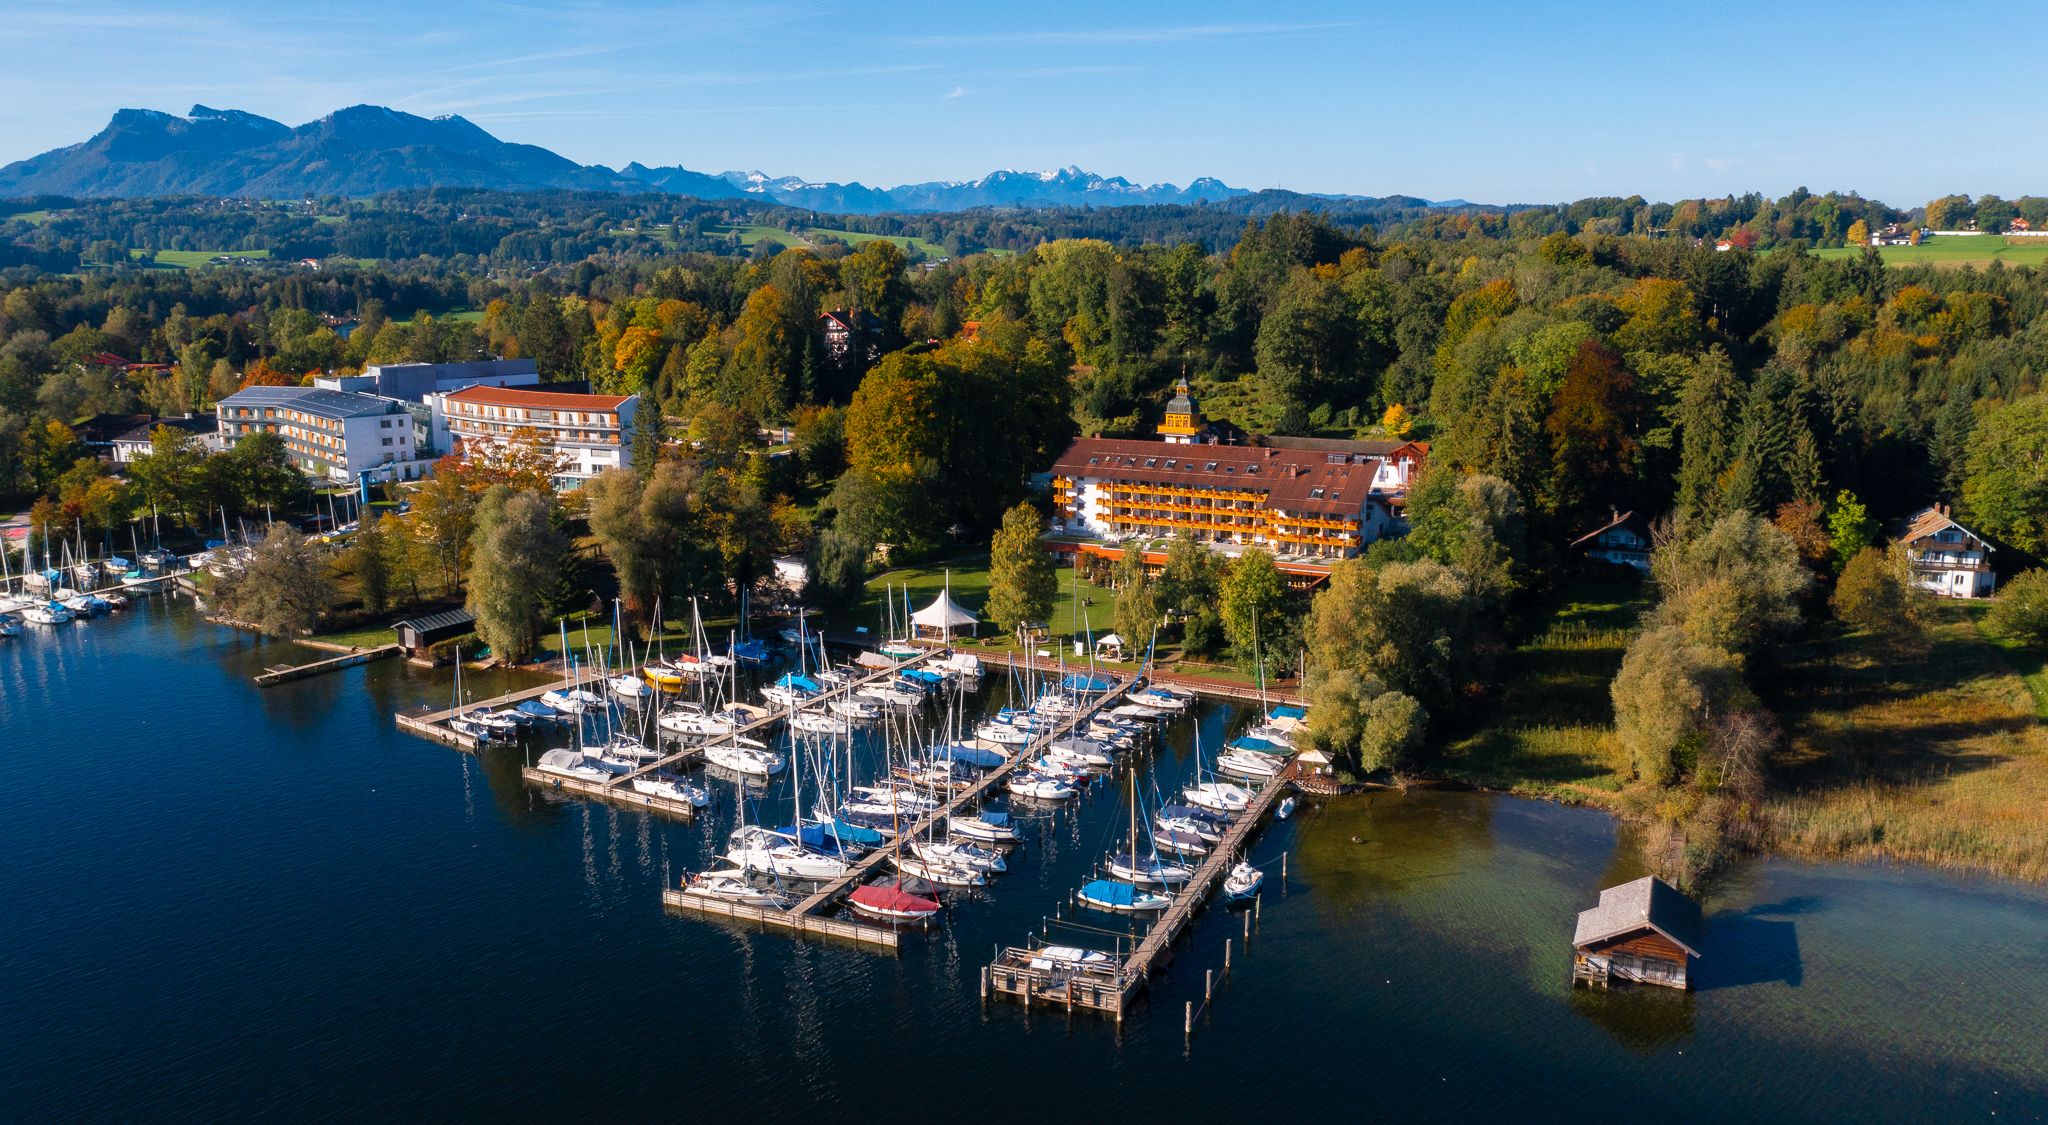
x: 330, y: 435
x: 590, y: 433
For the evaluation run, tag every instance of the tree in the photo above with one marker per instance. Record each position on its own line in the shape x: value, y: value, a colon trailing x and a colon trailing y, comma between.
x: 2020, y: 613
x: 514, y: 565
x: 443, y: 508
x: 650, y: 528
x: 1353, y: 717
x: 1138, y: 608
x: 1396, y: 422
x: 1668, y: 690
x: 2006, y: 488
x: 283, y: 588
x: 256, y: 473
x: 1850, y: 528
x: 1187, y: 583
x: 1732, y: 588
x: 1253, y: 601
x: 1021, y: 582
x: 1592, y: 430
x: 167, y: 477
x: 1706, y: 427
x: 835, y: 574
x: 369, y: 559
x: 1875, y: 592
x: 1859, y: 234
x: 1406, y: 624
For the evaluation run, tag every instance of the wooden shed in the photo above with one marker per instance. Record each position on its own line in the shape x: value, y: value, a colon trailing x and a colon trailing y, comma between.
x: 1643, y: 931
x: 417, y: 634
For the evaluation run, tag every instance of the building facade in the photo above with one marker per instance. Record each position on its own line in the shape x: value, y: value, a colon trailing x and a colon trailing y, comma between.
x: 329, y: 435
x: 588, y: 433
x: 1947, y: 558
x: 415, y: 382
x: 1295, y: 497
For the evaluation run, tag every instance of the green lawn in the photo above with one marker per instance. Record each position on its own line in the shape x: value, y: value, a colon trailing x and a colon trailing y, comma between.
x: 752, y: 234
x: 1955, y: 251
x: 2031, y: 665
x: 1548, y: 731
x: 458, y: 316
x: 969, y: 575
x: 193, y: 259
x: 854, y: 238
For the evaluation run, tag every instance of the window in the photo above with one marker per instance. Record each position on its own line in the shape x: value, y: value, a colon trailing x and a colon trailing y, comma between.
x: 1210, y: 467
x: 1153, y: 462
x: 1315, y: 494
x: 387, y: 441
x: 1169, y: 462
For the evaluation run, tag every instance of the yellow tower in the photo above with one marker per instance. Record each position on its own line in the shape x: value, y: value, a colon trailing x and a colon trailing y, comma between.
x: 1183, y: 418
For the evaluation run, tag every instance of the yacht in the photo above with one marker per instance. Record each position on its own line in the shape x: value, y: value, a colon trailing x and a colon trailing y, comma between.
x: 630, y: 687
x: 1218, y: 796
x: 1243, y: 881
x: 1122, y: 898
x: 571, y: 763
x: 757, y: 849
x: 989, y: 827
x: 939, y: 873
x: 672, y: 789
x: 757, y: 761
x: 891, y: 903
x: 731, y: 885
x: 1148, y: 870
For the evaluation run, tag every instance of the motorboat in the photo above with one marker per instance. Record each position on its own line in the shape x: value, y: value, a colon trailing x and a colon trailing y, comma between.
x: 990, y: 827
x: 847, y: 706
x: 1069, y: 958
x: 1218, y: 796
x: 960, y: 855
x: 630, y: 687
x: 731, y: 885
x: 571, y: 701
x: 1122, y: 898
x: 752, y: 760
x: 938, y: 872
x: 888, y: 903
x: 1243, y: 881
x: 816, y: 722
x: 672, y: 789
x: 571, y: 763
x: 1249, y: 764
x: 1161, y: 698
x: 1041, y: 787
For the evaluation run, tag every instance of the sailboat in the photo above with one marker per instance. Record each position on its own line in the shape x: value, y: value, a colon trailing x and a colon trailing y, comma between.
x: 887, y: 901
x: 1148, y: 870
x: 461, y: 722
x: 572, y: 763
x: 625, y: 685
x: 731, y: 885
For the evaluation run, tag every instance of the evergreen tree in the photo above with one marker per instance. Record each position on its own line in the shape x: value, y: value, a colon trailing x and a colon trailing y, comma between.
x: 1021, y: 583
x: 1707, y: 431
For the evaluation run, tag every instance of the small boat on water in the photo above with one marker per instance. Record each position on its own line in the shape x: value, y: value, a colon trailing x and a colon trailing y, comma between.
x: 815, y: 722
x: 1161, y: 698
x: 51, y: 613
x: 1148, y: 870
x: 1218, y: 796
x: 938, y: 872
x: 536, y: 711
x: 1068, y: 958
x: 753, y: 760
x: 889, y: 902
x: 1122, y: 898
x: 672, y: 789
x: 1285, y: 810
x: 961, y: 855
x: 571, y: 701
x: 9, y: 626
x: 731, y: 885
x: 571, y: 763
x: 630, y: 687
x: 1243, y: 881
x: 990, y: 827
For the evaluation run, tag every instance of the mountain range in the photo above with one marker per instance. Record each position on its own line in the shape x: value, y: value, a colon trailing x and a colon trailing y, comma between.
x: 364, y: 150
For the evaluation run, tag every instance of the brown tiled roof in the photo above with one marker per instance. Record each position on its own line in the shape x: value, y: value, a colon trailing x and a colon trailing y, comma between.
x: 1293, y: 480
x: 542, y: 400
x: 1932, y: 520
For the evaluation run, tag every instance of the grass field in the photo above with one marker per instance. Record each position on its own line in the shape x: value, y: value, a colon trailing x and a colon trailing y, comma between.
x: 752, y: 234
x: 969, y: 575
x: 924, y: 246
x: 1550, y: 731
x: 1933, y: 753
x: 1955, y: 252
x: 193, y: 259
x: 458, y: 316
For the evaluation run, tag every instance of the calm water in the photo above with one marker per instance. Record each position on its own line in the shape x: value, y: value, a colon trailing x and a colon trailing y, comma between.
x: 218, y: 902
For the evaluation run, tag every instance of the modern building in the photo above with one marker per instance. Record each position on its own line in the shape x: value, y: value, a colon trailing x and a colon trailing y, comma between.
x: 590, y: 433
x: 1947, y: 558
x: 330, y: 435
x: 204, y: 428
x: 415, y: 382
x: 1643, y: 931
x: 1306, y: 500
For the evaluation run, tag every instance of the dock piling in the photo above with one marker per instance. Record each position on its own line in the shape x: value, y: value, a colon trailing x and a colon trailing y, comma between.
x: 1208, y: 985
x: 1226, y: 956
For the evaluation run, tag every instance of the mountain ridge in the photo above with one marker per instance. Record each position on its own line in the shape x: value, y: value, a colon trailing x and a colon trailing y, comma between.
x: 363, y: 150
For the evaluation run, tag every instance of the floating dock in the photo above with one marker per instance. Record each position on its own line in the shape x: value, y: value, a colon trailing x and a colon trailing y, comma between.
x: 803, y: 919
x: 283, y: 672
x: 1108, y: 989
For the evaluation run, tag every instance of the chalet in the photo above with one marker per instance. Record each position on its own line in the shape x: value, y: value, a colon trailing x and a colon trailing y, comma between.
x: 848, y: 330
x: 1623, y: 540
x: 418, y: 634
x: 1643, y: 931
x: 1947, y: 558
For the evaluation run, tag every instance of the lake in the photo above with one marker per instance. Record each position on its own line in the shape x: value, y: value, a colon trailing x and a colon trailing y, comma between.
x: 223, y: 902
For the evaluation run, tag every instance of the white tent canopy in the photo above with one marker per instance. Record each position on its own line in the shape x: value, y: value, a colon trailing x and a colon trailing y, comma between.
x: 944, y: 616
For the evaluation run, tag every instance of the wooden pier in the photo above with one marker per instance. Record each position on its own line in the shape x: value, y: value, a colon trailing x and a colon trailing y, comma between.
x: 1108, y: 989
x: 282, y: 672
x: 802, y: 918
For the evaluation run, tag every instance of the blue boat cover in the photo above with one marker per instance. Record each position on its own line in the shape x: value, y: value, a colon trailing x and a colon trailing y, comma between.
x: 1254, y: 742
x: 1091, y: 685
x: 972, y: 755
x: 855, y: 834
x: 1290, y: 711
x: 817, y: 837
x: 536, y: 708
x: 801, y: 683
x: 750, y: 649
x: 1190, y: 812
x: 923, y: 677
x: 995, y: 819
x: 1110, y: 892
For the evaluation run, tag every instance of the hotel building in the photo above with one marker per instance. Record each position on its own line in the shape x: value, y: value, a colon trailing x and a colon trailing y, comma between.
x: 330, y: 435
x: 589, y: 433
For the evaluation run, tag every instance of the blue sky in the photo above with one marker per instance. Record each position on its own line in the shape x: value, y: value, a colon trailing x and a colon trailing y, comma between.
x: 1495, y: 102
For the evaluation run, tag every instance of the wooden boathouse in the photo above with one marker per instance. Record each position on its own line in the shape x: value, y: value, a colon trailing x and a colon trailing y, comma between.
x: 1643, y: 931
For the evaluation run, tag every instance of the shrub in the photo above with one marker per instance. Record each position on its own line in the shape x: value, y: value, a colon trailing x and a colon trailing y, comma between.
x: 1873, y: 593
x: 2021, y: 611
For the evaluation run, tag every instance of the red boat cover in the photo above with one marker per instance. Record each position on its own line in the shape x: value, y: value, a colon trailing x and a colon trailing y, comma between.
x: 890, y: 898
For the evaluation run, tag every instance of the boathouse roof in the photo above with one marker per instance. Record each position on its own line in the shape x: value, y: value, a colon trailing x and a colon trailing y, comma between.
x: 435, y: 627
x: 1648, y: 902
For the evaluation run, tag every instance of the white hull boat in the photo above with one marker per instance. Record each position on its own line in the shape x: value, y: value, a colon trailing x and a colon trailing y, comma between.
x: 745, y: 760
x: 569, y: 763
x: 672, y: 789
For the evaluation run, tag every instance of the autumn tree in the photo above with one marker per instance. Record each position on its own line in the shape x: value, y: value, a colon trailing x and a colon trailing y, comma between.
x: 1138, y: 608
x: 1669, y: 690
x: 2006, y: 487
x: 283, y: 588
x: 1021, y: 584
x: 516, y: 560
x: 1593, y: 431
x: 1875, y: 592
x: 2020, y: 612
x: 1253, y: 601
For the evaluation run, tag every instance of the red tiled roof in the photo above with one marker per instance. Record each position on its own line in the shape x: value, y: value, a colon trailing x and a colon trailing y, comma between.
x: 1289, y: 478
x: 544, y: 400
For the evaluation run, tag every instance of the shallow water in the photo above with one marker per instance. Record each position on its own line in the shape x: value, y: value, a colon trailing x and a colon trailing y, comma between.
x: 222, y: 901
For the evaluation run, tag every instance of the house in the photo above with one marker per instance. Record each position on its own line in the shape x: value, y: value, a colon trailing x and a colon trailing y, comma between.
x: 1643, y: 931
x: 330, y: 435
x: 588, y: 434
x: 848, y: 330
x: 204, y: 428
x: 99, y: 431
x: 1723, y: 245
x: 417, y: 634
x: 1624, y: 540
x: 1947, y: 558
